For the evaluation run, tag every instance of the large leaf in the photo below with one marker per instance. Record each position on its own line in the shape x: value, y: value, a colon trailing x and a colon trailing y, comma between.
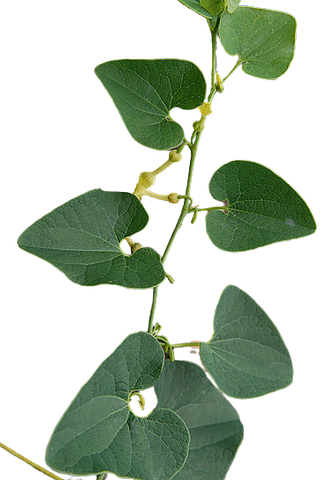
x: 261, y: 208
x: 82, y: 238
x: 99, y: 433
x: 214, y: 425
x: 246, y: 356
x: 144, y: 91
x: 263, y: 39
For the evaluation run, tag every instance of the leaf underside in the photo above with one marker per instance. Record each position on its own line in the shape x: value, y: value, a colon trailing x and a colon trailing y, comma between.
x: 264, y: 40
x: 214, y: 425
x: 246, y: 357
x: 144, y: 92
x: 261, y: 208
x: 82, y: 239
x: 196, y: 5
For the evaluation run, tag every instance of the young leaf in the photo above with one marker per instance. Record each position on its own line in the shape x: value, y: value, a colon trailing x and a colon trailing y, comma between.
x: 263, y: 39
x: 246, y: 356
x: 98, y: 433
x: 232, y: 5
x: 144, y: 91
x: 215, y: 428
x: 82, y: 238
x: 261, y: 208
x: 206, y: 8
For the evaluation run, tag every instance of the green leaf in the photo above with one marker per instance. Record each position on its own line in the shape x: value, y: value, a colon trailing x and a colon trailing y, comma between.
x: 144, y: 91
x: 215, y: 429
x: 232, y: 5
x: 261, y: 208
x: 205, y: 8
x: 99, y: 433
x: 263, y: 39
x: 214, y: 6
x: 82, y: 238
x: 246, y: 356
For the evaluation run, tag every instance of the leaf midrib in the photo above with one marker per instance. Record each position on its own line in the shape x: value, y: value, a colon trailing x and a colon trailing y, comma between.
x: 139, y: 96
x: 95, y: 424
x: 118, y: 251
x: 246, y: 340
x: 243, y: 59
x: 230, y: 208
x: 204, y: 445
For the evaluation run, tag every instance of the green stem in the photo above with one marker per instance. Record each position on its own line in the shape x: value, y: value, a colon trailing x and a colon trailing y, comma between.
x: 152, y: 311
x: 174, y: 234
x: 31, y: 463
x: 190, y: 344
x: 214, y: 63
x: 180, y: 149
x: 229, y: 74
x: 193, y: 147
x: 207, y: 209
x: 102, y: 476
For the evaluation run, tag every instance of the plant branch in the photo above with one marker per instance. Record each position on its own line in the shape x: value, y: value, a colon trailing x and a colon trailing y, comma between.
x: 193, y: 147
x: 29, y: 462
x: 214, y: 63
x: 184, y: 212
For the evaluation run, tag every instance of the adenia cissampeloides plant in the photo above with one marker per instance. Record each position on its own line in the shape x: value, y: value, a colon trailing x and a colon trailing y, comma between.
x: 144, y: 413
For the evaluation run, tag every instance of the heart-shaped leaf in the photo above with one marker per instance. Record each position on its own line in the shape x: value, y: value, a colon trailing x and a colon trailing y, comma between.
x: 144, y: 91
x: 246, y: 356
x: 261, y: 208
x: 263, y: 39
x: 214, y: 425
x: 82, y: 238
x: 98, y: 433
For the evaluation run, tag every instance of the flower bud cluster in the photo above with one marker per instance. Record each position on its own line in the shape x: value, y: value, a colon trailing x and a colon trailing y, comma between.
x: 147, y: 178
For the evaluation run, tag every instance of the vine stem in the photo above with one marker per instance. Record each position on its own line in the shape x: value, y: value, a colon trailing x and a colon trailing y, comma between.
x: 193, y: 147
x: 214, y: 65
x: 24, y: 459
x: 184, y: 212
x: 102, y: 476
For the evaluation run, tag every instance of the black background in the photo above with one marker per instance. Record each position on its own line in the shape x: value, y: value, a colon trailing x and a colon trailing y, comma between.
x: 64, y: 137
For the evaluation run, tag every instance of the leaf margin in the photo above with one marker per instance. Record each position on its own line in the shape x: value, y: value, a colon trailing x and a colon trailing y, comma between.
x: 277, y: 327
x: 268, y: 245
x: 121, y: 245
x: 170, y: 118
x: 131, y: 416
x: 204, y: 387
x: 236, y: 56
